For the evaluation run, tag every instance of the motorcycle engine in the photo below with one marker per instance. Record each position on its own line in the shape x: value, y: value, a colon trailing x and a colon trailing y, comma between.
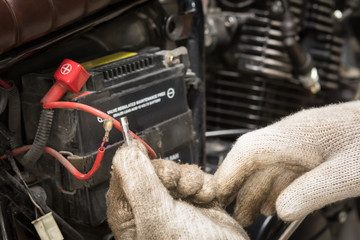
x: 257, y: 53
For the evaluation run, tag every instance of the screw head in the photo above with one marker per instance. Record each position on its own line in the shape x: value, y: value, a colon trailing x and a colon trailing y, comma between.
x: 171, y: 59
x: 229, y: 21
x: 277, y: 7
x: 338, y: 14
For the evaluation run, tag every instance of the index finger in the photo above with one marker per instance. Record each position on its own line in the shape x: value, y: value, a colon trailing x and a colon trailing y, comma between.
x: 233, y: 171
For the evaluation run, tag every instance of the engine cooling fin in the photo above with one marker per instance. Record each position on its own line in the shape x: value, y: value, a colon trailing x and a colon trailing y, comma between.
x: 235, y: 100
x: 322, y: 41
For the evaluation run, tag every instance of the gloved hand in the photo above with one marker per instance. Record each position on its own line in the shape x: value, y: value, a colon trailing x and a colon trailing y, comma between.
x: 295, y: 166
x: 141, y: 207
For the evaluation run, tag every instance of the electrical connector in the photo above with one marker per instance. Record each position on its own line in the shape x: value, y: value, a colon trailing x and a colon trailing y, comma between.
x: 69, y: 76
x: 108, y: 125
x: 126, y: 131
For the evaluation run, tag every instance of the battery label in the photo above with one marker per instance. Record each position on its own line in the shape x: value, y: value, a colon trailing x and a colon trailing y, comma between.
x: 144, y: 106
x: 136, y: 105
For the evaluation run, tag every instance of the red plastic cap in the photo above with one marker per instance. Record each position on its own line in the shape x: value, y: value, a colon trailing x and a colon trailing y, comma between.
x: 72, y: 74
x: 69, y: 76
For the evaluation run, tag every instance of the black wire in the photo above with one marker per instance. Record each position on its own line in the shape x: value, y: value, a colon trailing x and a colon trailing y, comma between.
x: 14, y: 116
x: 3, y: 99
x: 17, y: 171
x: 30, y: 159
x: 66, y: 228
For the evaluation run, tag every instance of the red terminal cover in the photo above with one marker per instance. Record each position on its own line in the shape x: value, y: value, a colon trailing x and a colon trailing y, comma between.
x: 69, y: 76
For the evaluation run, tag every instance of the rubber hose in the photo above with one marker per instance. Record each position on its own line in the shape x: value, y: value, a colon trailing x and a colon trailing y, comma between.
x: 14, y: 116
x: 42, y: 135
x: 3, y: 99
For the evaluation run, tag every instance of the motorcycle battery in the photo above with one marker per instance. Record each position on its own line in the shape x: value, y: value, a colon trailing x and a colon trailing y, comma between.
x: 144, y: 87
x: 148, y: 100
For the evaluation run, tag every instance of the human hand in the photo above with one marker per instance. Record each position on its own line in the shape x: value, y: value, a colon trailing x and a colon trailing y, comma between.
x: 141, y: 207
x: 295, y: 166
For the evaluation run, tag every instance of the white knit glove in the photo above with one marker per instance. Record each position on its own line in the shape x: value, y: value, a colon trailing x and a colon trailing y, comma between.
x: 141, y: 207
x: 295, y: 166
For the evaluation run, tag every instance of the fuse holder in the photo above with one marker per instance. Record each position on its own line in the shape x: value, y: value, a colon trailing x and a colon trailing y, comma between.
x: 69, y: 76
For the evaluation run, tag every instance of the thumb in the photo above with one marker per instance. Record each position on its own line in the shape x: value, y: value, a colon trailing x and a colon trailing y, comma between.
x: 334, y: 180
x: 137, y: 176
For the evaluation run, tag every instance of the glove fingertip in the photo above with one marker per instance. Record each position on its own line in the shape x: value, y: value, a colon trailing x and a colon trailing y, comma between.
x: 191, y: 180
x: 288, y: 207
x: 207, y: 192
x: 245, y: 219
x: 168, y: 172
